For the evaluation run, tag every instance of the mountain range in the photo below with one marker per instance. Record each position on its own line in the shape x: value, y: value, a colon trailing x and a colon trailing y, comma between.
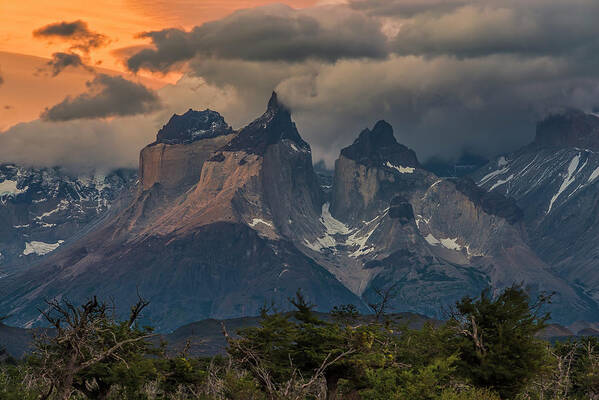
x: 221, y: 222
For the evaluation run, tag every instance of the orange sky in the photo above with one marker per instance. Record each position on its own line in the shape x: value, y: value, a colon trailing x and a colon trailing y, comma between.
x: 25, y: 92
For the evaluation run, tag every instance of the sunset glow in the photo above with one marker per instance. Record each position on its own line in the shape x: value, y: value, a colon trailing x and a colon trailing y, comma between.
x: 120, y: 20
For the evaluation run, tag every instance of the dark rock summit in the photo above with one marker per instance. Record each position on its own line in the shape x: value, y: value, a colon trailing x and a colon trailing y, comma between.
x: 569, y: 128
x: 192, y: 126
x: 378, y: 146
x: 273, y: 126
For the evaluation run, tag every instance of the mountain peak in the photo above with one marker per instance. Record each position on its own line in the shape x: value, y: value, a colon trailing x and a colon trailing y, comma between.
x: 274, y: 125
x: 193, y: 125
x: 381, y: 135
x: 377, y: 146
x: 274, y: 104
x: 568, y: 128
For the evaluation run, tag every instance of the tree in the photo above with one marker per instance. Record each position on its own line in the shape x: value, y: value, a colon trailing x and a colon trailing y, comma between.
x: 296, y: 350
x: 89, y: 350
x: 497, y: 339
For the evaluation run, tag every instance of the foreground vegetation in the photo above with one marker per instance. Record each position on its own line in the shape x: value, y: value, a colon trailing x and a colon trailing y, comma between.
x: 486, y: 350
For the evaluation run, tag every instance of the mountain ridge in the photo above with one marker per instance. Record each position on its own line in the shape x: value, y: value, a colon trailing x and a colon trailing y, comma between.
x: 223, y: 224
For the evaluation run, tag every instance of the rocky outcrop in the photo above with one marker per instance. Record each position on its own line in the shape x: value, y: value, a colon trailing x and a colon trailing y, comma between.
x: 368, y: 173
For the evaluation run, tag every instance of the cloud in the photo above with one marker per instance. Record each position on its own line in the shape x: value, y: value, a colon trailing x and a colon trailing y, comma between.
x: 439, y: 106
x: 269, y: 33
x: 477, y: 28
x: 60, y: 61
x: 76, y: 32
x: 107, y: 96
x: 405, y: 8
x: 451, y: 76
x: 100, y: 144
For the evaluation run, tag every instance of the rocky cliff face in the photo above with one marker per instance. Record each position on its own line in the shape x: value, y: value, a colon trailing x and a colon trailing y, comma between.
x: 555, y: 181
x: 247, y: 222
x: 175, y: 160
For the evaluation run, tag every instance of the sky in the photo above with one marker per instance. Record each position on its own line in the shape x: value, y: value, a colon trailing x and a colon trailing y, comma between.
x: 87, y: 85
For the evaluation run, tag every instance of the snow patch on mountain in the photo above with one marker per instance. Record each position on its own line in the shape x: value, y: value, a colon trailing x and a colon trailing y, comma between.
x: 448, y: 243
x: 451, y: 244
x: 332, y: 225
x: 339, y: 234
x: 433, y: 241
x: 491, y: 175
x: 257, y: 221
x: 8, y: 188
x: 567, y: 181
x: 502, y: 182
x: 401, y: 169
x: 40, y: 248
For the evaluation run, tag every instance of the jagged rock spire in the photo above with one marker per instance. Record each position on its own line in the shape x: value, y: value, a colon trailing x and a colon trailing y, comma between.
x: 274, y: 125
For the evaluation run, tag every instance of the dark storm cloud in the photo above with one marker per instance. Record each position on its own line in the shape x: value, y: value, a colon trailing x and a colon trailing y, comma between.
x: 405, y: 8
x: 529, y: 28
x: 60, y: 61
x: 107, y: 96
x: 76, y: 32
x: 272, y: 33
